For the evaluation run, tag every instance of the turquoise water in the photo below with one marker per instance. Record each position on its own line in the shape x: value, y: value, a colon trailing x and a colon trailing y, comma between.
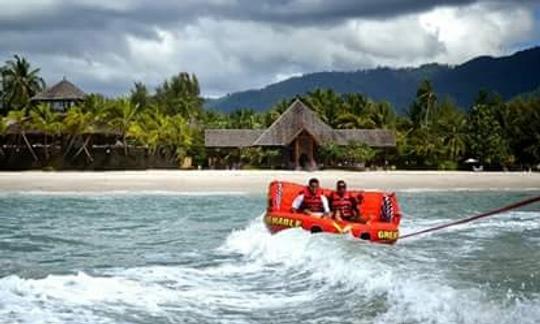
x: 158, y: 257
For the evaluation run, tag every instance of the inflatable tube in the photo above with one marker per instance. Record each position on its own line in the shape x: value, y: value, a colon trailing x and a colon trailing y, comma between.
x: 379, y: 222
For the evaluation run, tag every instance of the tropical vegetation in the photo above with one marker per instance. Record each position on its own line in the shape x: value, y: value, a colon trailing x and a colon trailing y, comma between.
x: 166, y: 125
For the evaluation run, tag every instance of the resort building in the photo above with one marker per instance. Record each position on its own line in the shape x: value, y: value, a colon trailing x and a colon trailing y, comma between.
x: 298, y: 133
x: 61, y: 96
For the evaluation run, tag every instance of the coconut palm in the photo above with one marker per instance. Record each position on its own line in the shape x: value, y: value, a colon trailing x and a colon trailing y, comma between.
x: 245, y: 118
x: 146, y: 130
x: 180, y: 95
x: 79, y: 125
x: 44, y: 119
x: 121, y: 114
x: 214, y: 119
x: 139, y: 95
x: 356, y: 112
x: 20, y: 82
x: 22, y: 124
x: 423, y: 108
x: 450, y: 124
x: 382, y: 115
x: 331, y: 153
x: 327, y: 103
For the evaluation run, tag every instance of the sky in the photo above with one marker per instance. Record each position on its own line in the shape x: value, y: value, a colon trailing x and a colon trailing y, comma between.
x: 105, y: 46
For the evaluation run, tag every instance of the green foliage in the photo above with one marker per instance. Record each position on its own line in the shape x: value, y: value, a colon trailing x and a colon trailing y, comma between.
x: 140, y: 96
x: 423, y: 108
x: 485, y: 136
x: 245, y: 118
x: 180, y: 95
x: 327, y: 103
x: 19, y: 83
x: 169, y: 123
x: 331, y: 153
x: 359, y: 152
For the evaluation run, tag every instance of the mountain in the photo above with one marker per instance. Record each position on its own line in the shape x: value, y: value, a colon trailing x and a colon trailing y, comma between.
x: 509, y: 76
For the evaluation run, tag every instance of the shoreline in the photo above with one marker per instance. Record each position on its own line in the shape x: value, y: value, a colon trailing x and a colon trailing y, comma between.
x: 256, y: 181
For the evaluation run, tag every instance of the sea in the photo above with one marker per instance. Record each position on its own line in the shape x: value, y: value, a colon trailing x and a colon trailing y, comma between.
x: 167, y: 257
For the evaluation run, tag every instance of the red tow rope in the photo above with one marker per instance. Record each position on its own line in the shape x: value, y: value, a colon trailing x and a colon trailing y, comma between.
x: 475, y: 217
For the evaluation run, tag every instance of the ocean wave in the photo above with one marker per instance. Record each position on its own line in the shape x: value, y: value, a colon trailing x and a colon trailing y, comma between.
x: 289, y: 277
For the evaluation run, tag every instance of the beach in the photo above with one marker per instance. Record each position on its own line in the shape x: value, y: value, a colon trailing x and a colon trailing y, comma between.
x: 256, y: 181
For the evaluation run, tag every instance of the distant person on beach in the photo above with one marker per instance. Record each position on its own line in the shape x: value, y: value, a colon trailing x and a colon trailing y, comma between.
x: 311, y: 200
x: 344, y: 205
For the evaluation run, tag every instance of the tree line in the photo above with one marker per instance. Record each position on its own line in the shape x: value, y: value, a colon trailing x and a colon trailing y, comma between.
x: 169, y: 121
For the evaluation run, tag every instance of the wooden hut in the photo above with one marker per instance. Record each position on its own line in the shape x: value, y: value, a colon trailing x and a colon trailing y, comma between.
x: 299, y: 132
x: 61, y: 96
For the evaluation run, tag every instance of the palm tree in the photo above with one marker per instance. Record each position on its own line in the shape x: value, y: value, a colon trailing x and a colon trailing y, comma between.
x: 139, y: 95
x: 355, y: 114
x: 327, y: 103
x: 121, y: 115
x: 382, y: 115
x: 19, y: 118
x: 425, y: 146
x: 214, y: 119
x: 145, y: 129
x: 330, y: 153
x: 245, y: 118
x: 450, y: 124
x: 424, y: 105
x: 20, y: 82
x: 47, y: 121
x: 79, y: 126
x: 180, y: 95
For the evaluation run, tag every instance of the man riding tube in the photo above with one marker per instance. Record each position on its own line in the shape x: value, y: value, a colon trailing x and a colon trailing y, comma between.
x: 345, y: 205
x: 311, y: 200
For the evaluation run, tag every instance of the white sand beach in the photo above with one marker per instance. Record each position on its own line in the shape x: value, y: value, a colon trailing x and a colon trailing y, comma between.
x: 256, y: 181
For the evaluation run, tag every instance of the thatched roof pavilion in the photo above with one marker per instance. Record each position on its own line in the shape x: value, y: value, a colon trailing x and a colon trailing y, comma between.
x: 61, y: 96
x: 300, y: 131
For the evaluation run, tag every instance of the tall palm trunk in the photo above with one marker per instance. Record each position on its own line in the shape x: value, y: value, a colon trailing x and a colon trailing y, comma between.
x: 46, y: 146
x: 84, y: 148
x: 29, y: 146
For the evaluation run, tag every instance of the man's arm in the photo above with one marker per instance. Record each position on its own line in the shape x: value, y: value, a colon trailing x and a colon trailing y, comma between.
x: 326, y: 207
x: 297, y: 202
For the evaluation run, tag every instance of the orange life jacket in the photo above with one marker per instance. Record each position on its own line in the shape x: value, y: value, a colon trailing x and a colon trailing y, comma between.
x: 344, y: 204
x: 312, y: 202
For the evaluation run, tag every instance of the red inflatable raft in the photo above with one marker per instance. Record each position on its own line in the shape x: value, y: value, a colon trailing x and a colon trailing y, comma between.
x: 380, y: 214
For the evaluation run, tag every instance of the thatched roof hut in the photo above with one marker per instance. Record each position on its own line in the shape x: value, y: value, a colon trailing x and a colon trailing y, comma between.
x: 61, y: 96
x: 299, y: 132
x: 297, y: 119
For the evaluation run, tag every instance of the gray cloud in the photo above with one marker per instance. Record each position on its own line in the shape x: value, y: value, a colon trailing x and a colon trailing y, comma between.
x: 236, y: 44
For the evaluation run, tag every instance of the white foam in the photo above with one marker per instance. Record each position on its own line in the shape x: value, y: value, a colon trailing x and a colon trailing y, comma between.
x: 251, y: 281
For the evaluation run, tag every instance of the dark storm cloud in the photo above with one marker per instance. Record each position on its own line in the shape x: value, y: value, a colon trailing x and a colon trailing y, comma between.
x: 68, y: 14
x: 85, y: 39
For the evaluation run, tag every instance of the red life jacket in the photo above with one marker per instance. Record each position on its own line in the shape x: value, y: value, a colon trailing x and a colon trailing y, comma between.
x: 343, y: 203
x: 312, y: 202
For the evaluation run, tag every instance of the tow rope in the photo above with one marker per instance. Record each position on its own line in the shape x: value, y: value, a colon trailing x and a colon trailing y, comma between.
x: 475, y: 217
